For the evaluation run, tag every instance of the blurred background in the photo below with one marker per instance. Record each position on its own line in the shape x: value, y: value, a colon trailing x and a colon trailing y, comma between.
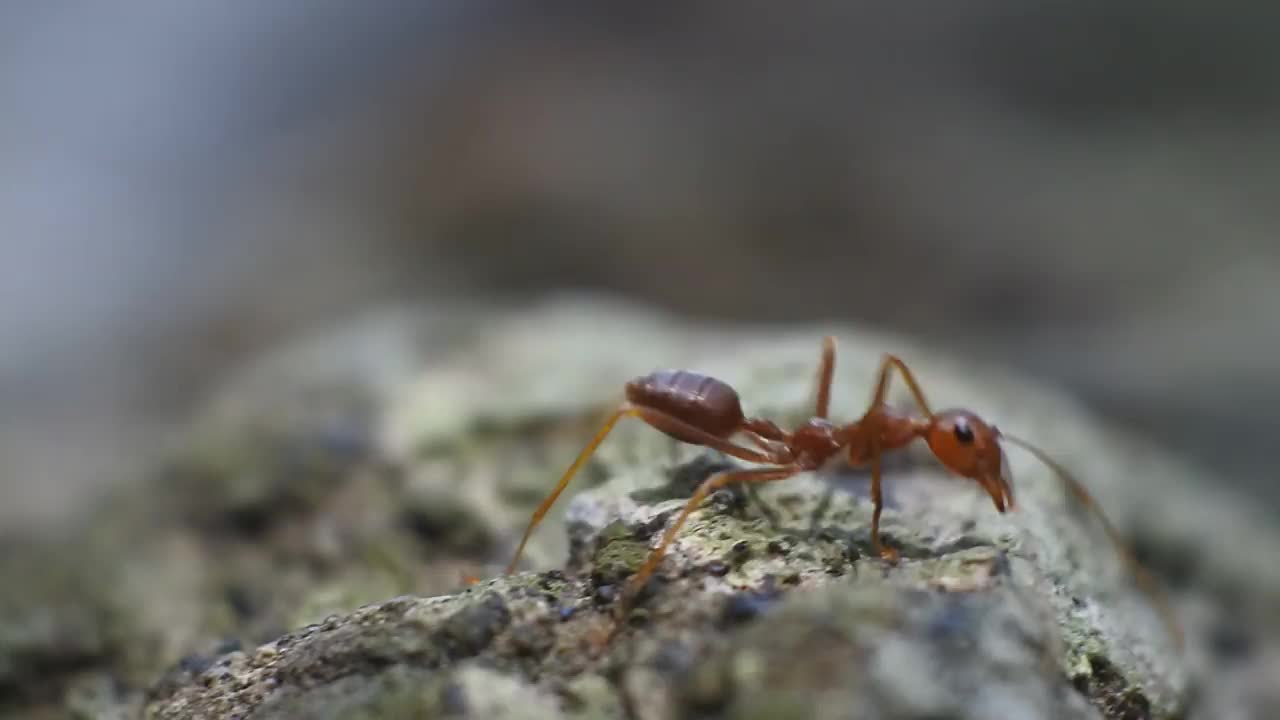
x: 1085, y: 191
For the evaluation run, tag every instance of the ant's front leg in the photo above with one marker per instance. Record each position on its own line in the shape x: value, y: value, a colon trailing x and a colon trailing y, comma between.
x: 826, y: 371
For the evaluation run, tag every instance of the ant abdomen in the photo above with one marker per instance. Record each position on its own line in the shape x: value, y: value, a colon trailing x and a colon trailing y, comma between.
x: 703, y: 402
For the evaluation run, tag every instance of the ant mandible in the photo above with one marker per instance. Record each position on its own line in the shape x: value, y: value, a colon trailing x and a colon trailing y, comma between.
x: 701, y: 410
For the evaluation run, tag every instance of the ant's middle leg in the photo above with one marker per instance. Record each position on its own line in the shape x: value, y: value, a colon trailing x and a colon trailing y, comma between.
x: 888, y: 554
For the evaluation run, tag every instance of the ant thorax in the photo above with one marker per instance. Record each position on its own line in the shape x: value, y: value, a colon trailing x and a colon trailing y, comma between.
x: 815, y: 441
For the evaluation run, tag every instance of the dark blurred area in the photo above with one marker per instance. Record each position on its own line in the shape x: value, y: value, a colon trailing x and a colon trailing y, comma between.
x: 1084, y: 191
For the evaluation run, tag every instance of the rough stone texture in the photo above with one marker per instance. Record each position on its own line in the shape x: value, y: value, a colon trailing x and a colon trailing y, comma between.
x: 301, y: 553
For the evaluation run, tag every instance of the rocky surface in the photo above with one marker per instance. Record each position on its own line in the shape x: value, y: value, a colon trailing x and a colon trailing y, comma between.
x: 301, y: 552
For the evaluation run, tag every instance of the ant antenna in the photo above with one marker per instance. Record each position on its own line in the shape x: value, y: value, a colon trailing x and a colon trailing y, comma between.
x: 1144, y: 578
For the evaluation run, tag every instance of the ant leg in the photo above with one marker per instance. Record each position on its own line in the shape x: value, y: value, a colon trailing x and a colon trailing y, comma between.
x: 707, y: 487
x: 581, y: 460
x: 779, y: 450
x: 826, y: 369
x: 871, y: 421
x: 655, y: 418
x: 774, y: 448
x: 888, y: 554
x: 697, y: 436
x: 887, y: 365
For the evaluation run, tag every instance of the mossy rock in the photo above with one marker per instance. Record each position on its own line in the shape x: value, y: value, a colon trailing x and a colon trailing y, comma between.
x: 341, y: 595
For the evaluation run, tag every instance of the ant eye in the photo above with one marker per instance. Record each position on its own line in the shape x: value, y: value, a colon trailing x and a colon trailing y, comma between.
x: 963, y: 432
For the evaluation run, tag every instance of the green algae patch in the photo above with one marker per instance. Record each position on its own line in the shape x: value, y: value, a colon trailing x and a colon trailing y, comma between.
x: 619, y: 554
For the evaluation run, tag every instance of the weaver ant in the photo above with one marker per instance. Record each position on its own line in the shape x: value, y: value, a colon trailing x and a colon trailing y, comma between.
x: 701, y: 410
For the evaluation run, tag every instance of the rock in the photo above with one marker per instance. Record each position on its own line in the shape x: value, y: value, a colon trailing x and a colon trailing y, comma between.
x: 302, y: 553
x: 893, y: 651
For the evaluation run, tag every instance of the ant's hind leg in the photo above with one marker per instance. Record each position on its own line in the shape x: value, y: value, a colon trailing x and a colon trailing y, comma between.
x: 624, y: 410
x: 708, y: 486
x: 656, y: 419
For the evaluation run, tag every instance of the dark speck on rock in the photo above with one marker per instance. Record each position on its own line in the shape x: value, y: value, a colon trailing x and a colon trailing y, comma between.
x: 1001, y: 567
x: 453, y: 700
x: 566, y: 612
x: 741, y: 550
x: 648, y: 529
x: 532, y: 639
x: 777, y: 547
x: 195, y: 664
x: 747, y: 606
x: 673, y: 657
x: 954, y: 621
x: 1230, y: 641
x: 472, y: 628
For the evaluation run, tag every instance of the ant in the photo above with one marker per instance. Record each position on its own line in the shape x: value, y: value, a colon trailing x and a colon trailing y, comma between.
x: 701, y: 410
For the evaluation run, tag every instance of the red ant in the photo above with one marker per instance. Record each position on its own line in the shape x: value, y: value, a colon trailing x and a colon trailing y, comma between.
x: 701, y: 410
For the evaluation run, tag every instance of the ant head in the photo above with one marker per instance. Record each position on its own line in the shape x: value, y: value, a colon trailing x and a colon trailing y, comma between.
x: 969, y: 447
